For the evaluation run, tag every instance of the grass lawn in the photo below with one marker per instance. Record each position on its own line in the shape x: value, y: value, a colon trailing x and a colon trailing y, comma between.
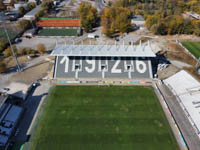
x: 103, y: 118
x: 57, y: 32
x: 193, y: 47
x: 11, y: 33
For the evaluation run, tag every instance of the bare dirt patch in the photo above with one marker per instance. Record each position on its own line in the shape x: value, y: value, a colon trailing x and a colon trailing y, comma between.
x: 32, y: 74
x: 191, y: 70
x: 169, y: 71
x: 176, y: 52
x: 10, y: 61
x: 143, y: 40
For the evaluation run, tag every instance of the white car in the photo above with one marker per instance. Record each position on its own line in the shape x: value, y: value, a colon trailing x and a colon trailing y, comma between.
x: 92, y: 36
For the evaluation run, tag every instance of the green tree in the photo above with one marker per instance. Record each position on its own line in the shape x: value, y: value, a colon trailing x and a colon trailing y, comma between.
x: 123, y: 21
x: 47, y: 5
x: 41, y: 48
x: 88, y: 16
x: 115, y: 19
x: 31, y: 5
x: 196, y: 24
x: 2, y: 6
x: 2, y: 67
x: 7, y: 52
x: 161, y: 29
x: 188, y: 27
x: 22, y: 11
x: 39, y: 13
x: 151, y: 20
x: 24, y: 24
x: 2, y: 44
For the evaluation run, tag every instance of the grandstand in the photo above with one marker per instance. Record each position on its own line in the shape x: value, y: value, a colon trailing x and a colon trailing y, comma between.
x: 103, y: 61
x: 188, y: 94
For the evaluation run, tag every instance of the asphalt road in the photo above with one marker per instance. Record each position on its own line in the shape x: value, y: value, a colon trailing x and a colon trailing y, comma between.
x: 31, y: 105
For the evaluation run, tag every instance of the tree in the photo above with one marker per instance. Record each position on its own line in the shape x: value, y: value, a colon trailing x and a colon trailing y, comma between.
x: 107, y: 21
x: 2, y: 6
x: 2, y: 44
x: 188, y: 27
x: 39, y: 13
x: 22, y: 11
x: 41, y: 48
x: 123, y: 21
x: 196, y: 24
x: 115, y: 19
x: 88, y: 16
x: 47, y: 5
x: 151, y: 20
x: 2, y: 67
x: 160, y: 29
x: 7, y: 52
x: 31, y: 5
x: 24, y: 24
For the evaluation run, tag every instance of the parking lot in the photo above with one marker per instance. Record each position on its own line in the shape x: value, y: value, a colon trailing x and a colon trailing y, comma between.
x: 49, y: 42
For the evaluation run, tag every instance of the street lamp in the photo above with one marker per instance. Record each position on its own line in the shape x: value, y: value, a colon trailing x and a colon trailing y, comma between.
x: 2, y: 17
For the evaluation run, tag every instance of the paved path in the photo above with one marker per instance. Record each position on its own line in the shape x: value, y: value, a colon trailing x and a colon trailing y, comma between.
x: 6, y: 76
x: 31, y: 106
x: 170, y: 119
x: 179, y: 64
x: 186, y: 128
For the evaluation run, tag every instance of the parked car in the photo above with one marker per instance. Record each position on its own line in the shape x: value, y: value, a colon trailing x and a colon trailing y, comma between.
x: 92, y: 36
x: 17, y: 40
x: 29, y: 33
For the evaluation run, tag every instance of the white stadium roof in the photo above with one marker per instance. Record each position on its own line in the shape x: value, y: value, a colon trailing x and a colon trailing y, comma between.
x: 187, y: 89
x: 104, y: 50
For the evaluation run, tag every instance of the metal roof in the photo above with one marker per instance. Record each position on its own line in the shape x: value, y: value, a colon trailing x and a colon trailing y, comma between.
x: 187, y: 89
x: 14, y: 114
x: 104, y: 50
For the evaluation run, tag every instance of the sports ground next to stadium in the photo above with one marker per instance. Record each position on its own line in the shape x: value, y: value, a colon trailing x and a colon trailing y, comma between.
x: 57, y: 32
x: 103, y: 118
x: 193, y: 47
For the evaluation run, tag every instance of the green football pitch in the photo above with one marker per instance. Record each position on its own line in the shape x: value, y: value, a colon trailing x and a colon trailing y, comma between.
x: 193, y: 47
x: 57, y: 32
x: 103, y: 118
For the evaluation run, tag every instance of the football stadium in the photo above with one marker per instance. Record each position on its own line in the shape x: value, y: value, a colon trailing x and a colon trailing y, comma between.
x: 86, y: 109
x: 103, y: 117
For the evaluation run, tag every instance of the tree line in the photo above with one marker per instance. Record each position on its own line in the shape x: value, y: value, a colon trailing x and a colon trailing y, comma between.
x: 162, y: 16
x: 172, y: 25
x: 165, y: 16
x: 41, y: 49
x: 113, y: 19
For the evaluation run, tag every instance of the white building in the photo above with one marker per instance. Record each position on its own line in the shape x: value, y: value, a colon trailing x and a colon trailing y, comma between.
x: 187, y: 90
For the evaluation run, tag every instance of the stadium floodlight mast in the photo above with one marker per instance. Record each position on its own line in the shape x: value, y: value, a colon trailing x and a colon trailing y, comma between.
x: 2, y: 18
